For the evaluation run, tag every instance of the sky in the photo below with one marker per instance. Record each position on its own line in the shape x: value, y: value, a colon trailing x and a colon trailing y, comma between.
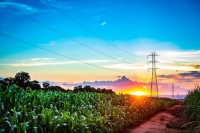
x: 103, y: 43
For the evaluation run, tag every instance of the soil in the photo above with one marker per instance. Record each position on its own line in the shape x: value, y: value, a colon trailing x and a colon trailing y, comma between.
x: 167, y: 121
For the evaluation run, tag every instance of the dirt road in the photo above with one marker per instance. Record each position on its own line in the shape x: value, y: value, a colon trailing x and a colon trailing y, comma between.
x: 167, y: 121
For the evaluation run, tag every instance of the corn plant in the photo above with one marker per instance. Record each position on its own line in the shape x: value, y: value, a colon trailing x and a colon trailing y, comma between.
x: 36, y: 111
x: 192, y: 108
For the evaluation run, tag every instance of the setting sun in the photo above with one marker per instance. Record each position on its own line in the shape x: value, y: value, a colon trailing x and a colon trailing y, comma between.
x: 138, y: 93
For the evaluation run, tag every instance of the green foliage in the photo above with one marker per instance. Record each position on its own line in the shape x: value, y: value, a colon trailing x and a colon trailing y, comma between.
x: 9, y: 98
x: 35, y: 111
x: 192, y: 108
x: 21, y: 79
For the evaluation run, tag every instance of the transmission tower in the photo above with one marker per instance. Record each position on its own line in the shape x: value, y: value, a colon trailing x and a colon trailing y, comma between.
x: 154, y: 84
x: 177, y: 95
x: 172, y: 91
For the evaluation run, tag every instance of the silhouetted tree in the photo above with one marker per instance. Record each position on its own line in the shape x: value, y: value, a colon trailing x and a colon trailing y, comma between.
x: 9, y: 80
x: 34, y: 85
x: 88, y: 88
x: 22, y: 79
x: 78, y: 89
x: 55, y: 88
x: 46, y: 85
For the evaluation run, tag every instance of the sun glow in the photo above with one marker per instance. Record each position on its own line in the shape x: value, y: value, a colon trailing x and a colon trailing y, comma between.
x: 138, y: 93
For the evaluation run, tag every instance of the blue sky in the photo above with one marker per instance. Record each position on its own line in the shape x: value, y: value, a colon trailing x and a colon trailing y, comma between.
x: 169, y: 27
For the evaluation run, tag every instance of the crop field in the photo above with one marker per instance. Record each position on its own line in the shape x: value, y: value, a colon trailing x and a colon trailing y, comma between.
x: 35, y: 111
x: 192, y: 109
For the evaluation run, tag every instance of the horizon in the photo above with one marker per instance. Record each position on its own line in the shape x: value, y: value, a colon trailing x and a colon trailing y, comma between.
x: 122, y: 83
x: 102, y: 43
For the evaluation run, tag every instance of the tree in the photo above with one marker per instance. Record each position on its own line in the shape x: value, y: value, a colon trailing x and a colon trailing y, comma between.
x: 34, y: 85
x: 88, y: 88
x: 22, y: 79
x: 78, y: 88
x: 55, y: 88
x: 9, y: 80
x: 46, y: 85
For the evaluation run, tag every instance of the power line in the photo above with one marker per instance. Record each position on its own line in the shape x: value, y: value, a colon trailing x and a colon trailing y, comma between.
x: 61, y: 54
x: 89, y: 30
x: 121, y: 27
x: 65, y: 35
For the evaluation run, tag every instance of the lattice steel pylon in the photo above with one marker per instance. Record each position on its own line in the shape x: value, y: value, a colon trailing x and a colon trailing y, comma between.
x: 172, y: 91
x: 154, y: 84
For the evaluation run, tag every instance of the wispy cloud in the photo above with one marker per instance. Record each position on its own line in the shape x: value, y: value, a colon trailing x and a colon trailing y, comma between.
x: 126, y: 66
x: 28, y: 7
x: 146, y: 44
x: 145, y: 66
x: 21, y: 7
x: 51, y: 61
x: 173, y: 66
x: 180, y: 56
x: 42, y: 59
x: 60, y: 5
x: 104, y: 23
x: 171, y: 57
x: 180, y: 60
x: 183, y: 77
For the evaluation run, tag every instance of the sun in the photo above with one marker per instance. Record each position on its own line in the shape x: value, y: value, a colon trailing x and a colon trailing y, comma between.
x: 138, y: 93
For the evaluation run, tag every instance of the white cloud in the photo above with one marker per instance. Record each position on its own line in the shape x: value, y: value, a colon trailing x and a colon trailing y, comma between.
x: 177, y: 67
x: 170, y: 57
x: 150, y: 45
x: 42, y: 59
x: 49, y: 61
x: 178, y: 55
x: 60, y: 5
x: 21, y: 7
x: 127, y: 66
x: 102, y: 24
x: 180, y: 60
x: 30, y: 9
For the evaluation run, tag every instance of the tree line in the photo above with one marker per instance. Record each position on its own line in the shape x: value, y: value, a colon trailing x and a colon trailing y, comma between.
x: 23, y: 80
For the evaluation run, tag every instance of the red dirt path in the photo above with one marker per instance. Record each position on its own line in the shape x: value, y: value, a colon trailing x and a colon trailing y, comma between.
x: 168, y: 121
